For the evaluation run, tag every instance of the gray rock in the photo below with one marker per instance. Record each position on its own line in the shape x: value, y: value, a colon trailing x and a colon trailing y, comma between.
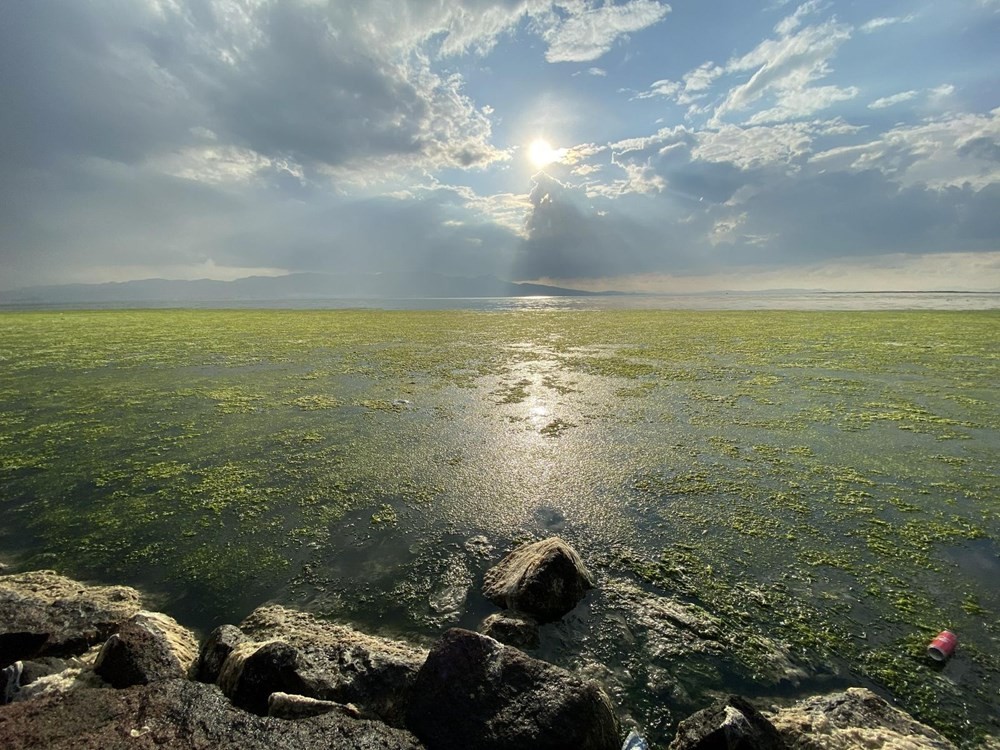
x: 10, y: 681
x: 855, y: 718
x: 475, y: 692
x: 46, y: 614
x: 175, y: 715
x: 337, y: 663
x: 546, y: 579
x: 291, y: 706
x: 519, y: 631
x: 729, y: 724
x: 214, y: 651
x: 255, y: 670
x: 148, y: 647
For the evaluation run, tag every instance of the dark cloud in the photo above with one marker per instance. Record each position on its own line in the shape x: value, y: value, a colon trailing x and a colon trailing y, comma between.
x: 566, y: 239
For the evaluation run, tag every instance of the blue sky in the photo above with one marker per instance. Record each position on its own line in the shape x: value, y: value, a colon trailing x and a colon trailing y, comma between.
x: 695, y: 145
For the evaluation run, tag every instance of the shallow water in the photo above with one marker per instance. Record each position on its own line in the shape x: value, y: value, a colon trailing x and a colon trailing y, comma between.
x: 825, y: 480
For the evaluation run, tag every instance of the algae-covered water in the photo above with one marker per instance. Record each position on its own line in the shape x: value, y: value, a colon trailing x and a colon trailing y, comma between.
x: 774, y: 503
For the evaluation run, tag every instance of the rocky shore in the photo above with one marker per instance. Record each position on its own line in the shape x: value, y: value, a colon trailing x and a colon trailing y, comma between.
x: 86, y: 666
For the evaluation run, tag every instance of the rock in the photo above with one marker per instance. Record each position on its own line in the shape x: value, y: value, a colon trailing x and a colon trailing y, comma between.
x: 855, y: 718
x: 10, y: 681
x: 729, y: 724
x: 545, y: 579
x: 337, y: 663
x: 214, y: 651
x: 46, y: 614
x: 255, y: 670
x: 475, y: 692
x: 148, y: 647
x: 519, y: 631
x: 175, y: 715
x: 291, y: 706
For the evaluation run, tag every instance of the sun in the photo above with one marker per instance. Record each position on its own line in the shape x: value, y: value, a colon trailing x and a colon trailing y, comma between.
x: 541, y: 153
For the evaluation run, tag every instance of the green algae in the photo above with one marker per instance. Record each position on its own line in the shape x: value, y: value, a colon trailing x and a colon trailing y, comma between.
x: 815, y: 478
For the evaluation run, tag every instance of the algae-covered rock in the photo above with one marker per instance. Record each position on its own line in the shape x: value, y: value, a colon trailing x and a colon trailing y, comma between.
x: 45, y: 614
x: 474, y: 692
x: 853, y: 720
x: 149, y: 646
x: 176, y: 714
x: 729, y: 724
x: 512, y: 628
x: 545, y: 579
x: 215, y: 650
x: 338, y: 663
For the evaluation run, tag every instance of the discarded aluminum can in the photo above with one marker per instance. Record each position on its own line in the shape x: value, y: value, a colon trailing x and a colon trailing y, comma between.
x: 942, y: 646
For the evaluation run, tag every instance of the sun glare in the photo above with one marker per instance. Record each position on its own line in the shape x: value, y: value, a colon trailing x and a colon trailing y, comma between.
x: 542, y: 154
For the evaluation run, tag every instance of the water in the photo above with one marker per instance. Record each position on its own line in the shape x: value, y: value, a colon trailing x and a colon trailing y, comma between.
x: 815, y: 490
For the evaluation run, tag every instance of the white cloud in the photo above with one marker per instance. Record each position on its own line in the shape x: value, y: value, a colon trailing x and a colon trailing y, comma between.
x: 879, y: 23
x: 784, y: 68
x: 788, y: 24
x: 589, y: 32
x: 888, y: 101
x: 795, y: 104
x: 950, y: 151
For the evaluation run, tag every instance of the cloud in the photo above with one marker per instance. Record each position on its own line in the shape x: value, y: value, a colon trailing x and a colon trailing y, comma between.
x: 880, y: 23
x: 784, y: 68
x: 589, y: 33
x: 888, y: 101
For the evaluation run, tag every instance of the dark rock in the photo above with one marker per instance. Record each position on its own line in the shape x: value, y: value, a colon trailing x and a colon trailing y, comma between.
x: 474, y: 692
x: 148, y: 647
x: 729, y: 724
x: 45, y: 614
x: 176, y: 715
x: 337, y: 663
x: 520, y: 631
x: 291, y: 706
x: 856, y: 717
x: 253, y: 671
x: 545, y: 579
x: 219, y: 645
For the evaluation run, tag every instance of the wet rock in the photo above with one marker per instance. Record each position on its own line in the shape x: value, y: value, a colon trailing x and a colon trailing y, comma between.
x: 291, y: 706
x: 476, y: 692
x: 148, y: 647
x: 338, y: 663
x: 729, y: 724
x: 520, y: 631
x: 177, y: 714
x: 46, y: 614
x: 255, y: 670
x: 855, y: 718
x: 545, y: 579
x: 214, y: 651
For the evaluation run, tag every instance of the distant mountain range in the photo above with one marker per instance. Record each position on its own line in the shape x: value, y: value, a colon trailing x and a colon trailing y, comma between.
x: 296, y: 286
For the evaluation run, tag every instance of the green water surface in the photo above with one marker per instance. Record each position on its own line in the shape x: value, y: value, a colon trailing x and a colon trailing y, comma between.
x: 827, y: 480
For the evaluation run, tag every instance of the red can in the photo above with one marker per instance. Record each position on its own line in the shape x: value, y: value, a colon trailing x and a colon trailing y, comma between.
x: 942, y: 646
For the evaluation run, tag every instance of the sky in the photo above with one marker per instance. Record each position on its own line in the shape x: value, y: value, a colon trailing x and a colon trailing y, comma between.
x: 632, y: 145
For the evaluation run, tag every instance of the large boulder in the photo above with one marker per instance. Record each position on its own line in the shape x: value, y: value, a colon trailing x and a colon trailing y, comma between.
x: 728, y: 724
x: 176, y: 715
x: 476, y: 692
x: 45, y: 614
x: 149, y: 646
x: 323, y: 660
x: 852, y: 720
x: 545, y: 579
